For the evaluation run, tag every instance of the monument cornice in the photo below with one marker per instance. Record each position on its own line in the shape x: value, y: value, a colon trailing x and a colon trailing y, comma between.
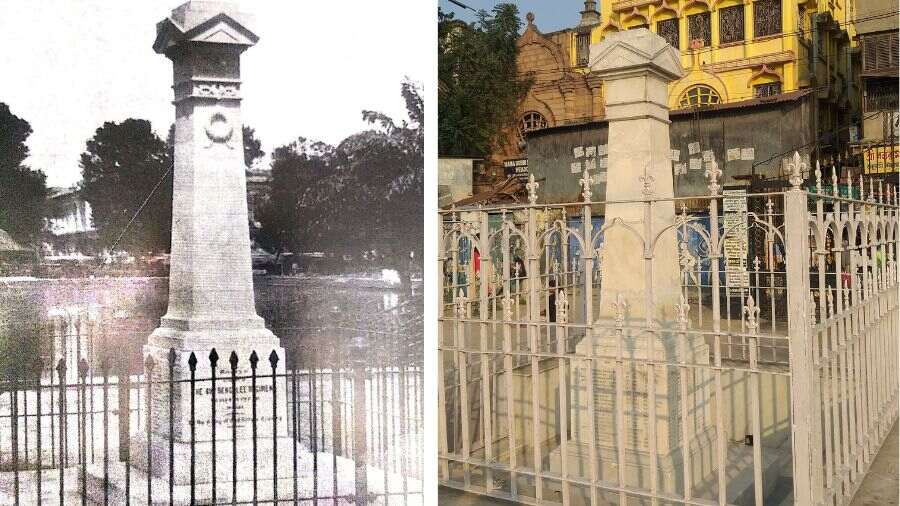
x: 206, y: 88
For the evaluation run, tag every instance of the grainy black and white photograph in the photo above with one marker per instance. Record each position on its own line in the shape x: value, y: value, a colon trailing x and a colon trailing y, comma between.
x: 211, y: 276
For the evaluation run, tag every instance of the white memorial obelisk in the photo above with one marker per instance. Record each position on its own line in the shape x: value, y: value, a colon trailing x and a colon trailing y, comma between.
x: 211, y: 301
x: 641, y: 287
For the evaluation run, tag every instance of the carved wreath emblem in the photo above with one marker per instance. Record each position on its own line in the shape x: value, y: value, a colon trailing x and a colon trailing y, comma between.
x: 219, y: 130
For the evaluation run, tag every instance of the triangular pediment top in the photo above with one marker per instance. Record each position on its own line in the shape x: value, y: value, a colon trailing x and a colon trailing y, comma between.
x: 633, y: 48
x: 218, y: 27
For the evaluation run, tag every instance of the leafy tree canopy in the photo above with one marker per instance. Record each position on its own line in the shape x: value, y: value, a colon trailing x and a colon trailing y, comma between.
x: 120, y: 167
x: 479, y: 88
x: 23, y: 192
x: 365, y: 193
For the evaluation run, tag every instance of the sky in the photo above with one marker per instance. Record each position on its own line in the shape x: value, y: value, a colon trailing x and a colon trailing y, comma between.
x: 549, y: 15
x: 67, y: 67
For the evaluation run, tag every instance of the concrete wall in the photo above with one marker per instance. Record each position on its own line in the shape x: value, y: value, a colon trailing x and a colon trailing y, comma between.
x: 456, y: 175
x: 769, y: 129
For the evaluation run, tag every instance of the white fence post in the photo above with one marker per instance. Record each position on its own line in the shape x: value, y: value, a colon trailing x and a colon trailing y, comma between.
x: 805, y: 403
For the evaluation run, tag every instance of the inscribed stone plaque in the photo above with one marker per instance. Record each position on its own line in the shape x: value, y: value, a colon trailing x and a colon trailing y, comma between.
x: 590, y: 151
x: 676, y: 155
x: 602, y: 162
x: 575, y: 168
x: 734, y: 154
x: 680, y: 168
x: 748, y: 154
x: 590, y: 164
x: 708, y: 155
x: 696, y: 164
x: 693, y: 148
x: 578, y: 152
x: 602, y: 150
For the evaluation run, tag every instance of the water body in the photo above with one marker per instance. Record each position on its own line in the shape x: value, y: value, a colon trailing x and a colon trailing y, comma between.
x: 322, y: 321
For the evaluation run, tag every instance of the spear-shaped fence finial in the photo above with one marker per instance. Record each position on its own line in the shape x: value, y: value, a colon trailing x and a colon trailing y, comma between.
x: 713, y: 173
x: 811, y: 301
x: 796, y: 167
x: 461, y: 304
x: 834, y: 182
x: 620, y: 305
x: 532, y: 187
x: 586, y: 186
x: 752, y: 312
x: 562, y: 307
x: 681, y: 313
x: 818, y: 178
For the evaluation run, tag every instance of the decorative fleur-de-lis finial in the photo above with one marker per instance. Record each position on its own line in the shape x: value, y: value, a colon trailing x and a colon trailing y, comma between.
x: 796, y: 166
x: 532, y: 187
x: 818, y: 178
x: 555, y: 266
x: 834, y: 182
x: 461, y: 304
x: 770, y: 206
x: 684, y: 210
x: 712, y: 173
x: 586, y: 186
x: 830, y: 300
x: 756, y: 263
x: 647, y: 185
x: 880, y: 191
x: 681, y: 313
x: 507, y: 308
x: 811, y: 301
x: 752, y: 312
x: 562, y: 307
x: 620, y: 305
x: 516, y: 267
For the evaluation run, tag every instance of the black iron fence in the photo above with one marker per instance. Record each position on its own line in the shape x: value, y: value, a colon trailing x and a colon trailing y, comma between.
x: 335, y: 420
x: 354, y: 433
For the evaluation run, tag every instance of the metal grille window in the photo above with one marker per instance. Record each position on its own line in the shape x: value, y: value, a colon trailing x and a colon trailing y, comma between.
x: 767, y: 90
x: 881, y: 95
x: 699, y: 28
x: 880, y: 52
x: 766, y: 17
x: 582, y: 48
x: 531, y: 121
x: 731, y: 24
x: 698, y: 96
x: 668, y: 29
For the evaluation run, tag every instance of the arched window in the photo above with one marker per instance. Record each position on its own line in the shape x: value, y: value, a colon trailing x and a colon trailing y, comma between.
x: 531, y: 121
x: 699, y: 95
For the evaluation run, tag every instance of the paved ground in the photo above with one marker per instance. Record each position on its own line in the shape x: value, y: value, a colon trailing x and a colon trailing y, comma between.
x: 880, y: 486
x: 453, y: 497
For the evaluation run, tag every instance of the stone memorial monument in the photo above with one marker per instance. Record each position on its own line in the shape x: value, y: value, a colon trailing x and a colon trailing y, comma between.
x: 211, y: 301
x: 639, y: 287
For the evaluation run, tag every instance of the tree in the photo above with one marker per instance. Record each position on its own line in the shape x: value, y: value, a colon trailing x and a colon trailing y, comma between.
x: 23, y: 192
x: 363, y: 194
x: 123, y: 165
x: 252, y: 146
x: 479, y: 88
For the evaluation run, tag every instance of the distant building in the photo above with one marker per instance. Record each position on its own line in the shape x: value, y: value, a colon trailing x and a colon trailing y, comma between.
x: 876, y: 27
x: 72, y: 232
x: 259, y: 188
x: 762, y: 77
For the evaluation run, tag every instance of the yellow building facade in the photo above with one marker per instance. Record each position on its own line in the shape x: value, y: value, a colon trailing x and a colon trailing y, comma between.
x: 739, y: 49
x: 732, y: 51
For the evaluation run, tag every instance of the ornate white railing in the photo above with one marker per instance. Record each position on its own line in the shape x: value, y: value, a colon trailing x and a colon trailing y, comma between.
x: 774, y: 365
